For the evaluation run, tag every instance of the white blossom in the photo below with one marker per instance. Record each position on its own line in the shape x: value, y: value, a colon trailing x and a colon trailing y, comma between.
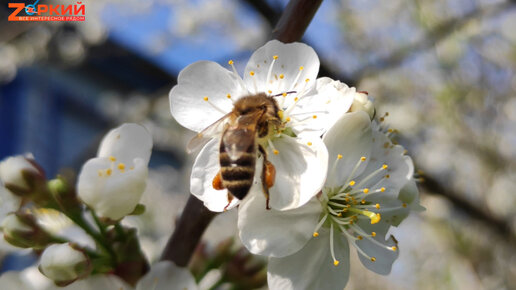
x: 286, y: 72
x: 113, y: 182
x: 309, y: 246
x: 166, y: 275
x: 15, y: 173
x: 64, y: 264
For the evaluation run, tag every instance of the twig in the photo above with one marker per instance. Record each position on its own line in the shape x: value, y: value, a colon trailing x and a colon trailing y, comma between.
x: 195, y: 217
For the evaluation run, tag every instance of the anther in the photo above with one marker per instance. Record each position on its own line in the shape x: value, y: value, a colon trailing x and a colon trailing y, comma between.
x: 281, y: 76
x: 228, y: 96
x: 205, y: 98
x: 276, y: 152
x: 339, y: 156
x: 307, y: 80
x: 394, y: 248
x: 373, y: 259
x: 387, y: 176
x: 251, y: 73
x: 301, y: 68
x: 314, y: 116
x: 335, y: 263
x: 384, y: 166
x: 284, y: 94
x: 366, y: 190
x: 108, y: 172
x: 275, y: 57
x: 359, y: 237
x: 352, y: 182
x: 99, y: 172
x: 316, y: 234
x: 112, y: 159
x: 377, y: 206
x: 373, y: 234
x: 287, y: 119
x: 382, y: 189
x: 363, y: 158
x: 309, y: 143
x: 296, y: 99
x: 269, y: 91
x: 363, y: 201
x: 404, y: 205
x: 230, y: 62
x: 121, y: 166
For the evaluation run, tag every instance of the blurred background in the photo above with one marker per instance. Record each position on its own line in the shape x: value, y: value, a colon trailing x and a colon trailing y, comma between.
x: 443, y: 70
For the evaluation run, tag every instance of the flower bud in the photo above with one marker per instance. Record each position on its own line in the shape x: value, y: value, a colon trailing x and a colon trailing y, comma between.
x: 21, y: 230
x: 21, y: 174
x: 64, y: 264
x: 362, y: 103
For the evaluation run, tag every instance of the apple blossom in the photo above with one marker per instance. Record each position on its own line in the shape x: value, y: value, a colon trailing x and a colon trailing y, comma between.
x: 64, y: 264
x: 206, y: 92
x: 113, y: 182
x: 369, y: 188
x: 19, y: 174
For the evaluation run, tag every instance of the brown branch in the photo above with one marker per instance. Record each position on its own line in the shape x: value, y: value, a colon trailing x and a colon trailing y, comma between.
x: 195, y: 217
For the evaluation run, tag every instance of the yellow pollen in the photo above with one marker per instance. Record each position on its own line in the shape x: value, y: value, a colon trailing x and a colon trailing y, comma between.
x: 363, y: 158
x: 376, y: 218
x: 270, y: 92
x: 339, y: 156
x: 390, y: 130
x: 335, y: 263
x: 251, y: 73
x: 377, y: 206
x: 307, y: 80
x: 288, y: 119
x: 351, y: 183
x: 404, y: 205
x: 230, y: 62
x: 228, y: 96
x: 314, y: 116
x: 295, y: 99
x: 382, y: 189
x: 205, y: 98
x: 384, y: 166
x: 394, y: 248
x: 359, y: 237
x: 108, y: 172
x: 362, y: 201
x: 366, y: 190
x: 275, y: 57
x: 276, y: 152
x: 339, y: 214
x: 351, y: 222
x: 281, y: 76
x: 344, y: 210
x: 301, y: 68
x: 373, y: 259
x: 100, y: 172
x: 121, y: 166
x: 309, y: 143
x: 112, y: 159
x: 373, y: 234
x: 316, y: 234
x: 284, y: 94
x: 387, y: 176
x: 347, y: 199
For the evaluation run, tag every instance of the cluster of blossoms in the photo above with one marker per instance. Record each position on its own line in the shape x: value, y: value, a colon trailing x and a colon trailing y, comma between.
x: 340, y: 180
x: 77, y: 229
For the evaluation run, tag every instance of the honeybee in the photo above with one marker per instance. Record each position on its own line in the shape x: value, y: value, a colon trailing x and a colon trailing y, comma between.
x: 244, y: 131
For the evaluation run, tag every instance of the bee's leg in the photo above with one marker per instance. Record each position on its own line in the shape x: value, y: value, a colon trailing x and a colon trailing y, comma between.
x: 217, y: 182
x: 230, y: 198
x: 268, y: 176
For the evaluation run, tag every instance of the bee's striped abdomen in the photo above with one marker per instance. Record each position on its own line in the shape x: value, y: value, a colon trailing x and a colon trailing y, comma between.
x: 237, y: 175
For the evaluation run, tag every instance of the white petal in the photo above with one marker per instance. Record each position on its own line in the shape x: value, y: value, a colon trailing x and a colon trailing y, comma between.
x: 351, y: 138
x: 197, y: 81
x: 96, y: 282
x: 112, y: 196
x: 11, y: 171
x: 127, y: 142
x: 291, y: 57
x: 312, y: 267
x: 275, y: 233
x: 205, y: 168
x: 167, y: 276
x: 384, y: 257
x: 300, y: 171
x: 8, y: 202
x: 400, y: 167
x: 409, y: 194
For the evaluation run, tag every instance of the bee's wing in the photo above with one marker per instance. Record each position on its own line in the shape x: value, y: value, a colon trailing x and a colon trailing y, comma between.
x: 239, y: 137
x: 205, y: 135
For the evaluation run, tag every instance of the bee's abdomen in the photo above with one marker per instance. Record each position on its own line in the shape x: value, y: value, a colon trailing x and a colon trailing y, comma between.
x: 237, y: 175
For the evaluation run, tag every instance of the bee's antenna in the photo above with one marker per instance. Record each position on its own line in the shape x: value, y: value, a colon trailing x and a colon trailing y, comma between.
x: 285, y: 93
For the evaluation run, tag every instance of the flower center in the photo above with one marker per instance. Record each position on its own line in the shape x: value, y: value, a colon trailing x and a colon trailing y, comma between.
x: 114, y: 167
x: 345, y: 205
